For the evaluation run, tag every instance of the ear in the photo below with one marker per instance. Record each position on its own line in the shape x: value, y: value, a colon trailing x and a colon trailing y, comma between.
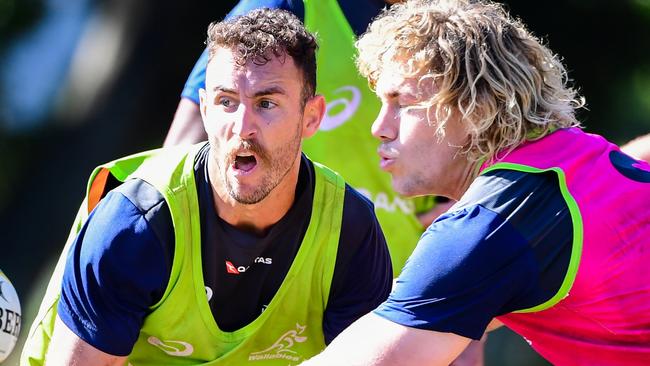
x: 203, y: 104
x: 313, y: 115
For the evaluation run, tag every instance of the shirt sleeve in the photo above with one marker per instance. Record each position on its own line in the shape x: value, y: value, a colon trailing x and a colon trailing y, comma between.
x: 196, y: 80
x: 504, y: 249
x: 459, y: 276
x: 363, y: 273
x: 116, y: 269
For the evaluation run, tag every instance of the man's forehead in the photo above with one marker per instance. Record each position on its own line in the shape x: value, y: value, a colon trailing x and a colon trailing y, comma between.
x: 226, y: 58
x: 223, y: 68
x: 390, y: 84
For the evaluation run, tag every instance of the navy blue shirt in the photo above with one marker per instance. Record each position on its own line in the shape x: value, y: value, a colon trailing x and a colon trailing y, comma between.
x: 504, y: 246
x: 120, y: 262
x: 359, y: 13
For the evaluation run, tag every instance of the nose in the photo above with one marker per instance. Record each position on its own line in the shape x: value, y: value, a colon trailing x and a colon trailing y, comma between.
x: 244, y: 124
x: 385, y: 126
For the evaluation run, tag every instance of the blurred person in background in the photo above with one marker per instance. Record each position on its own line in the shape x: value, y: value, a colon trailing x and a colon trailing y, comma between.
x: 638, y: 148
x: 551, y: 231
x: 232, y: 251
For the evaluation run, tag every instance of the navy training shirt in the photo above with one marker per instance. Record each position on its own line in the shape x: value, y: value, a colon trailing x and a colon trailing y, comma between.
x: 359, y: 13
x: 504, y: 246
x: 120, y: 262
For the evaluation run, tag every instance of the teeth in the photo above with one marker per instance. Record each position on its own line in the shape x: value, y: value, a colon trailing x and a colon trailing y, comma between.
x: 244, y: 154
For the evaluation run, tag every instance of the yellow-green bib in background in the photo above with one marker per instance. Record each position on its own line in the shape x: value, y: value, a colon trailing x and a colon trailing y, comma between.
x: 344, y: 142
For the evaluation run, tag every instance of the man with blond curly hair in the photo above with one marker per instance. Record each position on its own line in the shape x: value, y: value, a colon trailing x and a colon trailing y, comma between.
x: 551, y: 232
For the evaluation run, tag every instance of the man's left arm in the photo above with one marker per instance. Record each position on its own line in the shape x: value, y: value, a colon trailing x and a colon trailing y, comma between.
x: 447, y: 294
x: 373, y: 340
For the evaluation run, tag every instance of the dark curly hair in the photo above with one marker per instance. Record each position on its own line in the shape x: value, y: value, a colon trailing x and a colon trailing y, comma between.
x: 265, y: 33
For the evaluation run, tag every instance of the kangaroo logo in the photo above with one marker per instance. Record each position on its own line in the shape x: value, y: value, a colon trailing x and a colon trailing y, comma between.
x: 350, y: 107
x: 281, y: 349
x: 172, y: 348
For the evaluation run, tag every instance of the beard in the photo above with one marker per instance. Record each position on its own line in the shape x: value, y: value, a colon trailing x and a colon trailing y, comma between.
x: 273, y: 164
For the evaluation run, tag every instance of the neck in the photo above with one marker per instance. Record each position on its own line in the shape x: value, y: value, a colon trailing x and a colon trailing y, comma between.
x: 463, y: 177
x: 258, y: 217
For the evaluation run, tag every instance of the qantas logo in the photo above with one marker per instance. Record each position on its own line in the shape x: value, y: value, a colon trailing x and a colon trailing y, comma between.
x: 172, y: 348
x: 350, y: 106
x: 263, y: 260
x: 232, y: 269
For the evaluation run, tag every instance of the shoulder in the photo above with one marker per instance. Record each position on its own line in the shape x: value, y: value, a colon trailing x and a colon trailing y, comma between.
x: 149, y: 205
x: 530, y: 203
x: 118, y: 244
x: 504, y: 215
x: 503, y: 247
x: 360, y: 229
x: 357, y: 208
x: 471, y: 237
x: 132, y: 220
x: 502, y: 189
x: 141, y: 195
x: 467, y: 268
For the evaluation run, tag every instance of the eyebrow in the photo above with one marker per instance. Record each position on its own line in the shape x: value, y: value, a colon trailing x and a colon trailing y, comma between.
x: 396, y: 94
x: 260, y: 93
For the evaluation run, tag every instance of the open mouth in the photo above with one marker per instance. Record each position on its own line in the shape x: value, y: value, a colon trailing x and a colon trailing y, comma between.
x: 245, y: 162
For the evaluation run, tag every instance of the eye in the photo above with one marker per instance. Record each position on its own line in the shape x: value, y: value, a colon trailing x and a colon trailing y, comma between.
x: 267, y: 104
x: 226, y: 102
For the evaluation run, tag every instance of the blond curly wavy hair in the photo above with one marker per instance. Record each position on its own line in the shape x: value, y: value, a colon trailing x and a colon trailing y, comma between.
x: 507, y: 86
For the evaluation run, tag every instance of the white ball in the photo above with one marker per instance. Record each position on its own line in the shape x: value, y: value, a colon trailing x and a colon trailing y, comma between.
x: 10, y: 317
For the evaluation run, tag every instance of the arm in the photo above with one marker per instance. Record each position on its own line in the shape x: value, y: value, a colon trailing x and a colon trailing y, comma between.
x: 376, y: 341
x: 67, y: 348
x: 187, y: 126
x: 473, y: 355
x: 115, y: 270
x: 639, y: 148
x: 448, y: 292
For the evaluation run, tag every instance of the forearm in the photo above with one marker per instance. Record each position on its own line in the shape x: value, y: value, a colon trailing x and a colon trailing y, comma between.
x: 375, y: 341
x: 66, y: 348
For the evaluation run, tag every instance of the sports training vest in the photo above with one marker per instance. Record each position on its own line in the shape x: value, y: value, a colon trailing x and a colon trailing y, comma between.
x: 344, y: 141
x: 601, y: 313
x: 181, y: 330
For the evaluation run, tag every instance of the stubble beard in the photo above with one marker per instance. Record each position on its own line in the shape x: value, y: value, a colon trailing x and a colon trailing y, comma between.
x: 278, y: 164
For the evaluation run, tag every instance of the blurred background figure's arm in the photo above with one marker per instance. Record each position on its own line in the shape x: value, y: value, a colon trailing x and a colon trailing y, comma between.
x: 187, y: 126
x: 639, y: 148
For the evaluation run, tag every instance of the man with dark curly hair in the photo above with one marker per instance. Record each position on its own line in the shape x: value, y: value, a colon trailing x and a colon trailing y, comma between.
x: 343, y: 142
x: 225, y: 252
